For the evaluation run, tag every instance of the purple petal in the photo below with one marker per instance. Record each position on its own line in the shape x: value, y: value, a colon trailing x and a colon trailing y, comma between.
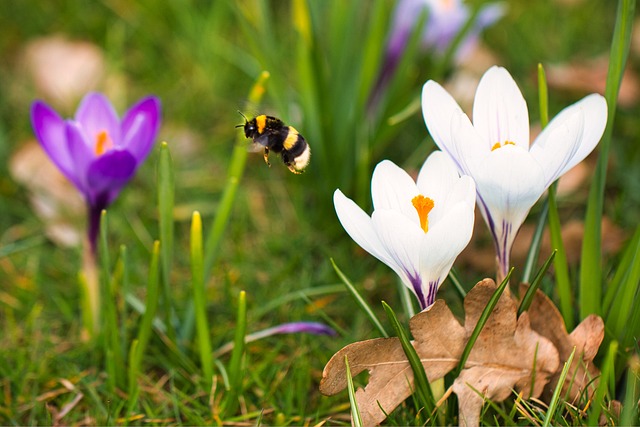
x: 108, y: 174
x: 315, y: 328
x: 96, y: 114
x: 80, y: 154
x: 140, y: 126
x: 49, y: 128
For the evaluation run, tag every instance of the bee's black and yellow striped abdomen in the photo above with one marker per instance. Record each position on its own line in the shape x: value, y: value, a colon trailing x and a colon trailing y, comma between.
x: 285, y: 140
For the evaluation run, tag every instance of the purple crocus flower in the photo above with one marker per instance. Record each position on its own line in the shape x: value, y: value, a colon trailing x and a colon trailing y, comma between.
x: 445, y: 19
x: 97, y: 151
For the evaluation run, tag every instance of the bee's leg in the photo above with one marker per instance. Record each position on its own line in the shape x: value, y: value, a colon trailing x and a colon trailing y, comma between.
x: 266, y: 156
x: 293, y: 169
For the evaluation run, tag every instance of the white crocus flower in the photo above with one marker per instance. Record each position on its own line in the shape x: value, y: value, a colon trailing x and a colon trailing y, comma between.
x: 510, y: 173
x: 417, y: 229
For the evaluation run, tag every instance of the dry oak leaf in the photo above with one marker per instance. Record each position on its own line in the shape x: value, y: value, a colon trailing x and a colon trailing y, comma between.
x: 501, y: 360
x: 586, y: 338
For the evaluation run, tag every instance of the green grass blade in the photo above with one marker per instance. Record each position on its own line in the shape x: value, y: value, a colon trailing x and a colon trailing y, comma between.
x: 591, y: 256
x: 536, y: 241
x: 561, y: 266
x: 481, y: 322
x: 563, y: 282
x: 618, y: 320
x: 531, y: 291
x: 132, y: 374
x: 534, y: 248
x: 235, y: 371
x: 115, y: 324
x: 356, y: 419
x: 110, y: 330
x: 543, y: 96
x: 555, y: 399
x: 630, y: 415
x: 166, y: 195
x: 146, y: 324
x: 628, y: 259
x: 200, y: 300
x: 406, y: 299
x: 122, y: 304
x: 453, y: 276
x: 631, y: 333
x: 360, y: 301
x: 608, y: 369
x: 421, y: 382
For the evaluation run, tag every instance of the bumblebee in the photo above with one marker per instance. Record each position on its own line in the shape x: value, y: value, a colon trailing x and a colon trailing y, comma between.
x: 271, y: 134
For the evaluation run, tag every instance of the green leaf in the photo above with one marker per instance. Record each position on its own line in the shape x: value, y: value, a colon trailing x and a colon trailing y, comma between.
x: 355, y: 413
x: 608, y: 369
x: 553, y: 404
x: 146, y: 324
x: 235, y: 371
x: 423, y: 389
x: 481, y: 322
x: 531, y: 291
x: 166, y: 195
x: 591, y: 256
x: 200, y: 300
x: 563, y: 282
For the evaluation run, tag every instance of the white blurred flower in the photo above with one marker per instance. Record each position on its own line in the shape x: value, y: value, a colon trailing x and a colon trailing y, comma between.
x: 510, y: 173
x: 417, y: 228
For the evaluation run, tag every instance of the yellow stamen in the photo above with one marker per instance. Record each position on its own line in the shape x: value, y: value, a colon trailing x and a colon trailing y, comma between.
x: 423, y: 205
x: 498, y: 145
x: 103, y: 143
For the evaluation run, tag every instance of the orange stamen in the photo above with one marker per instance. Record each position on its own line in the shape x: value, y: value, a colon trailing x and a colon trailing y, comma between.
x: 423, y: 205
x: 498, y: 145
x: 103, y: 143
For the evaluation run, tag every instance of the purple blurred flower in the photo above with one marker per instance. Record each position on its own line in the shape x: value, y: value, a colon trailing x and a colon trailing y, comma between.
x: 315, y: 328
x: 445, y: 19
x: 96, y: 151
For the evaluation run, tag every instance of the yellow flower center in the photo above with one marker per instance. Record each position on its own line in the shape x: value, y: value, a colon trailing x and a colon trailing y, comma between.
x: 423, y: 206
x: 103, y: 143
x: 498, y: 145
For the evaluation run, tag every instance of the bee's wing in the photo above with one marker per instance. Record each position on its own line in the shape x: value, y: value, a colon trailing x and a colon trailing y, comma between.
x: 255, y: 147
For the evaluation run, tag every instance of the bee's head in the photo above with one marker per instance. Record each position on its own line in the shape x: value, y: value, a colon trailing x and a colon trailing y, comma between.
x: 250, y: 127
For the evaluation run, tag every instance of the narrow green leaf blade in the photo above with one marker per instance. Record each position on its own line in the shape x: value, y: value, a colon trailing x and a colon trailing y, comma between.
x: 423, y: 389
x: 591, y: 256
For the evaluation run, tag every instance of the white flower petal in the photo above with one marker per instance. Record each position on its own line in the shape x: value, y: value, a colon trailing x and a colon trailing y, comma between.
x: 464, y: 191
x: 470, y: 147
x: 444, y: 242
x: 400, y: 237
x: 509, y: 182
x: 437, y: 109
x: 437, y: 176
x: 393, y: 188
x: 360, y: 227
x: 499, y: 111
x: 557, y: 144
x: 594, y: 108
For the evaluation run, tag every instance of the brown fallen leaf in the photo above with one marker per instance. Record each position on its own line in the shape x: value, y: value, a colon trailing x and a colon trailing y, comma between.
x: 391, y: 377
x: 503, y: 357
x: 64, y: 70
x: 54, y: 199
x: 591, y: 76
x: 586, y: 338
x: 501, y: 360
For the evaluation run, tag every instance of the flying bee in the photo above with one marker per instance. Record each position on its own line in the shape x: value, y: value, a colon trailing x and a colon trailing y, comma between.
x: 271, y: 134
